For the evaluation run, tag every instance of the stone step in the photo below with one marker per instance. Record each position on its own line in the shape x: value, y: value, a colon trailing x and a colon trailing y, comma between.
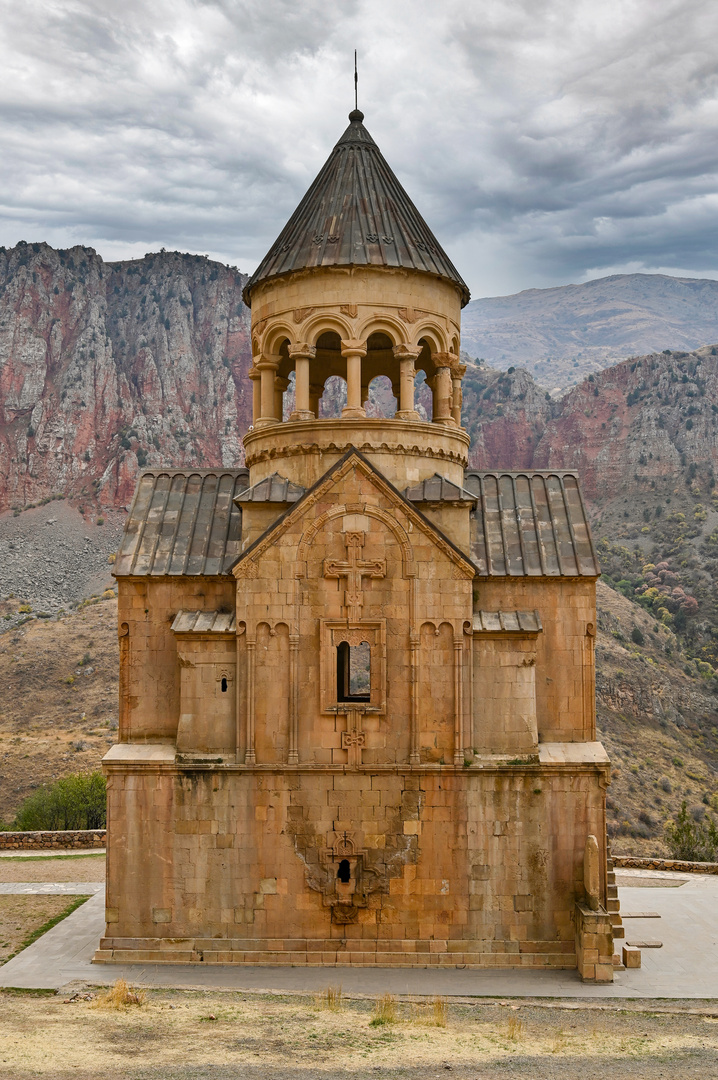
x: 618, y: 932
x: 612, y: 892
x: 613, y: 907
x: 611, y: 877
x: 609, y: 864
x: 618, y: 964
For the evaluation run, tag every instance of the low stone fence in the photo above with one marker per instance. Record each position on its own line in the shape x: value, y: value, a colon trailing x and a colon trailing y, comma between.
x: 638, y: 863
x: 45, y: 841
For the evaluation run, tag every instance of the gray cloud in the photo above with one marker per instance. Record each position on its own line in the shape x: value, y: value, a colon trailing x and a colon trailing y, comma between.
x: 544, y: 142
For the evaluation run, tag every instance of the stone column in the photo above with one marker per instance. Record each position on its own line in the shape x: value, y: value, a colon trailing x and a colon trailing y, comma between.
x: 353, y: 352
x: 407, y: 355
x: 457, y: 373
x: 293, y: 755
x: 267, y: 367
x: 280, y: 385
x: 255, y: 376
x: 458, y: 699
x: 301, y: 355
x: 443, y: 389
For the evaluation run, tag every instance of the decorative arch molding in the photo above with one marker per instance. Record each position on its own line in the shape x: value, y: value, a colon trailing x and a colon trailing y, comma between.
x: 433, y: 334
x: 400, y: 535
x: 275, y: 334
x: 323, y: 323
x: 376, y: 323
x: 272, y: 624
x: 436, y: 625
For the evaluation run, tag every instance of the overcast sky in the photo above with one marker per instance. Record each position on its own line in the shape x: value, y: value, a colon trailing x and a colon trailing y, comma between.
x: 545, y: 141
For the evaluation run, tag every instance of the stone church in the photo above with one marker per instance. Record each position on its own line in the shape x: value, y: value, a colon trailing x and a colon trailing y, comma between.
x: 357, y: 719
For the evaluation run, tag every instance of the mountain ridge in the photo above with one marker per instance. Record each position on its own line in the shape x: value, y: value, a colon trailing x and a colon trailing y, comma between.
x: 564, y: 333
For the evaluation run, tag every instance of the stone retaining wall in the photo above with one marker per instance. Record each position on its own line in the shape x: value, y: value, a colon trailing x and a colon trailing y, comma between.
x: 634, y: 862
x: 43, y: 841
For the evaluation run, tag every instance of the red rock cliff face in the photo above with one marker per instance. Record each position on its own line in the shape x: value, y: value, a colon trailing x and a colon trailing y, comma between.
x: 105, y: 367
x: 633, y: 429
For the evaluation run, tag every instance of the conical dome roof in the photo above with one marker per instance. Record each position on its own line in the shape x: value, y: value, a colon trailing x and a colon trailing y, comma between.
x: 356, y: 213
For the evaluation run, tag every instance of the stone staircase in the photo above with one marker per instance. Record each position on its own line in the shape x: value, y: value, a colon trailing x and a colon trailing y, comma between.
x: 613, y: 908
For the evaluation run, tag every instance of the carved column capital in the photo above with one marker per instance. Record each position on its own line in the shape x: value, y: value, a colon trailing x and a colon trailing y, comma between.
x: 302, y: 351
x: 354, y: 347
x: 403, y: 351
x: 267, y: 361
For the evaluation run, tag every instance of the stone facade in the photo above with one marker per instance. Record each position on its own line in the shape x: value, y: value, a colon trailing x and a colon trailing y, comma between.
x: 357, y: 716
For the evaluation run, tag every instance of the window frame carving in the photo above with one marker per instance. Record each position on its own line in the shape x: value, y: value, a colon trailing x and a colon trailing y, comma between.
x: 332, y: 633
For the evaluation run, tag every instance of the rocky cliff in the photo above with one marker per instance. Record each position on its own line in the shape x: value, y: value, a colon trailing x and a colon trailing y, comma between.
x: 634, y: 431
x: 105, y: 367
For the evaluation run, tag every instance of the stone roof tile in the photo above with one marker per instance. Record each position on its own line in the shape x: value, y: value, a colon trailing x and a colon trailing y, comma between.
x: 530, y: 524
x: 356, y: 213
x: 182, y: 522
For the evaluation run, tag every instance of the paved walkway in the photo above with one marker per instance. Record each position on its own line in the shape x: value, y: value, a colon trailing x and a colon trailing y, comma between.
x: 50, y: 888
x: 61, y: 852
x: 685, y: 967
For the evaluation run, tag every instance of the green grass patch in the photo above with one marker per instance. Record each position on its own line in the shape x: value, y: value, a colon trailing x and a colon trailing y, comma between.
x: 31, y: 938
x: 22, y: 991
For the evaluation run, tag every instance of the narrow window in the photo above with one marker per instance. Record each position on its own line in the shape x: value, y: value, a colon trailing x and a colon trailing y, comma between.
x: 224, y: 684
x: 353, y: 672
x: 344, y: 872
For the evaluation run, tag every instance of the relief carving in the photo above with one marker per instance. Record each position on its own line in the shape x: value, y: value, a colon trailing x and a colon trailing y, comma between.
x: 350, y: 876
x: 349, y: 309
x: 302, y: 313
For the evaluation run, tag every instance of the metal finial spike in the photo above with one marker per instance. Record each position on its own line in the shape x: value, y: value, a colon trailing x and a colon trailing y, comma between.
x: 356, y: 114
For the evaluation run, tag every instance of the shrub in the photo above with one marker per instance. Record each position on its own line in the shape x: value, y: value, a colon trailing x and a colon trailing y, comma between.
x: 120, y: 996
x: 637, y: 636
x: 74, y: 802
x: 696, y: 841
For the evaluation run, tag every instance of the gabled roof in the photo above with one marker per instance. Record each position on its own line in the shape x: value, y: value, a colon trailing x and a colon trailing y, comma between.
x: 182, y: 522
x: 438, y: 489
x: 530, y: 524
x: 274, y: 488
x: 356, y: 213
x: 507, y: 622
x: 204, y: 622
x: 351, y: 458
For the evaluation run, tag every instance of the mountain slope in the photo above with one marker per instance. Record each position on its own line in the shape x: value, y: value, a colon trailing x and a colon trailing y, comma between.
x: 105, y: 367
x: 563, y: 334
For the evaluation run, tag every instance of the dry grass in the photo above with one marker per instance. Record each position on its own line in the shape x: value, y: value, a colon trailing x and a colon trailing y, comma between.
x: 514, y: 1029
x: 120, y: 996
x: 330, y: 998
x: 385, y: 1011
x: 434, y: 1013
x: 558, y: 1043
x: 263, y: 1035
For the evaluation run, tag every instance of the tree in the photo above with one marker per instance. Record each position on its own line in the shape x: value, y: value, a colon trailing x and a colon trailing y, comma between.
x: 74, y: 802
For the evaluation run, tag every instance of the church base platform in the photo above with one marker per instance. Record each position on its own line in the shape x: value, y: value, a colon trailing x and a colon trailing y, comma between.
x: 334, y: 953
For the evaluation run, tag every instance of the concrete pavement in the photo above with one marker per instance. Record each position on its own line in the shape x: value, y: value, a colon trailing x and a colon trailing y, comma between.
x: 685, y: 967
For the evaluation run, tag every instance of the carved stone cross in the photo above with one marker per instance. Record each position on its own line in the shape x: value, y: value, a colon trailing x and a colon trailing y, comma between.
x: 353, y: 739
x: 354, y: 569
